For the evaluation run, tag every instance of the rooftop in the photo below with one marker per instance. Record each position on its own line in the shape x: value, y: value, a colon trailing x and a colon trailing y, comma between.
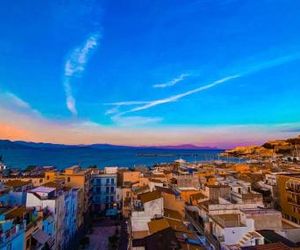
x: 149, y: 196
x: 17, y: 212
x: 227, y: 220
x: 173, y: 214
x: 17, y: 183
x: 260, y: 211
x: 157, y: 225
x: 43, y: 189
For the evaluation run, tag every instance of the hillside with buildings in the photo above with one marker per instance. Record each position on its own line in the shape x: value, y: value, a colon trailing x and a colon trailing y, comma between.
x: 271, y: 149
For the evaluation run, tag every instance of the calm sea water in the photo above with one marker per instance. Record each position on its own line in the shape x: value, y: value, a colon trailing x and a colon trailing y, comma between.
x: 61, y: 158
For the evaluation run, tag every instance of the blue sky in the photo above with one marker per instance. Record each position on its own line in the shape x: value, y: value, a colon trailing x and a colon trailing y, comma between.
x: 152, y: 66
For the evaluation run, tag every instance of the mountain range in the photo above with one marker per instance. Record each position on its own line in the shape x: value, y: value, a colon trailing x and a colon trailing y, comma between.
x: 7, y: 144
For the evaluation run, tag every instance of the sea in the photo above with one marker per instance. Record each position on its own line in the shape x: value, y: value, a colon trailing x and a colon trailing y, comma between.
x: 85, y: 157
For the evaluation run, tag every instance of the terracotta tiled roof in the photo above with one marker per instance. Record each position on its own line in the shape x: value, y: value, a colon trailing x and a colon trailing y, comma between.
x: 149, y: 196
x: 141, y: 189
x: 177, y: 225
x: 172, y: 214
x: 157, y: 225
x: 198, y: 196
x: 17, y: 183
x: 165, y: 190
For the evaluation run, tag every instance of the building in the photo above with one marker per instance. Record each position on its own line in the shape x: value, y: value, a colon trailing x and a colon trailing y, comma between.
x: 289, y: 196
x: 12, y: 230
x: 146, y: 207
x: 53, y: 200
x: 75, y: 177
x: 104, y: 189
x: 17, y: 191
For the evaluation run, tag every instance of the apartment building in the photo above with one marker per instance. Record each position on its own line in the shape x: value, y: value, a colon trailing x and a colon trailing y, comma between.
x: 53, y: 200
x: 104, y: 188
x: 289, y: 196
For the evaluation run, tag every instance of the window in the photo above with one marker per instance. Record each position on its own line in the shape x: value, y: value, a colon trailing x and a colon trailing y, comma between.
x: 107, y: 190
x: 112, y: 181
x: 107, y: 181
x: 107, y: 199
x: 112, y: 189
x: 98, y: 190
x: 98, y: 181
x: 69, y: 179
x: 111, y: 199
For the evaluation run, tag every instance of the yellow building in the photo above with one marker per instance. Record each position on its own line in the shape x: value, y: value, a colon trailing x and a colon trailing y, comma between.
x: 289, y: 196
x: 130, y: 176
x: 77, y: 178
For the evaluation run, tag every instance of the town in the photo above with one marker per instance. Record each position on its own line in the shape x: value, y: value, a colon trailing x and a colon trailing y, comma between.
x: 179, y: 205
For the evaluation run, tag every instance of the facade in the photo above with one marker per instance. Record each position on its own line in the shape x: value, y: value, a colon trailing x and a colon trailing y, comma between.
x: 70, y: 219
x: 75, y: 177
x: 53, y: 200
x: 12, y: 234
x: 289, y: 196
x: 104, y: 190
x: 18, y: 191
x: 146, y: 207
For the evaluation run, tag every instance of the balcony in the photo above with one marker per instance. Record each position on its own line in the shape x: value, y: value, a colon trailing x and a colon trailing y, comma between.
x: 294, y: 202
x: 293, y: 186
x: 12, y: 233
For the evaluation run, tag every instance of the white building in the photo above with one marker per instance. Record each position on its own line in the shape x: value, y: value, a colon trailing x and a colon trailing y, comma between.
x: 48, y: 197
x: 148, y: 206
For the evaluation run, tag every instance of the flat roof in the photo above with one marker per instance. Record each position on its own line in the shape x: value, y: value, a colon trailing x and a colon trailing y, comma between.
x: 228, y: 220
x: 43, y: 189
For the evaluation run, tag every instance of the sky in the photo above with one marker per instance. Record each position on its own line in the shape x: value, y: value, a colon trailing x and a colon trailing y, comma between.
x: 214, y: 73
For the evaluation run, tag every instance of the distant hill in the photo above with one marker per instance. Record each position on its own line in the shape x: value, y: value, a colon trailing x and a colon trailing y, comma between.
x: 188, y: 146
x: 288, y: 147
x: 7, y: 144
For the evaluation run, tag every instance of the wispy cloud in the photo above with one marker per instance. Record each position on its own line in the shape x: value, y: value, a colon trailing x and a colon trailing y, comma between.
x: 175, y: 98
x: 13, y: 102
x: 172, y: 82
x: 19, y: 121
x: 75, y: 66
x: 132, y: 121
x: 126, y: 103
x: 254, y: 68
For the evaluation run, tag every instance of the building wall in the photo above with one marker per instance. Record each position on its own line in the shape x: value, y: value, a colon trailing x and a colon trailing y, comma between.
x: 289, y: 211
x: 140, y: 219
x: 16, y: 243
x: 104, y: 188
x: 56, y: 207
x: 186, y: 194
x: 70, y: 224
x: 173, y: 203
x: 131, y: 176
x: 17, y: 198
x: 184, y: 181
